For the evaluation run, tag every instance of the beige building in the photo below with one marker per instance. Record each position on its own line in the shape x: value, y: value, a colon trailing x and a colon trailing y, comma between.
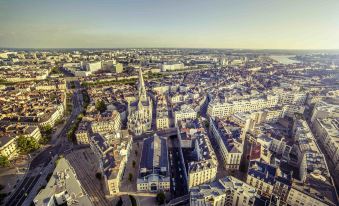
x: 162, y: 118
x: 82, y: 134
x: 184, y: 112
x: 230, y: 147
x: 112, y: 151
x: 222, y: 108
x: 8, y: 145
x: 49, y: 119
x: 204, y: 169
x: 109, y: 122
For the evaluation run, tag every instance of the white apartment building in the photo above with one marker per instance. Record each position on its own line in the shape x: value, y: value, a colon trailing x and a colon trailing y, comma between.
x: 324, y: 109
x: 224, y: 107
x: 51, y: 119
x: 107, y: 124
x: 93, y: 66
x: 227, y: 191
x: 327, y: 133
x: 82, y: 134
x: 184, y: 112
x: 230, y: 148
x: 172, y: 66
x: 8, y: 144
x: 162, y: 120
x: 204, y: 169
x: 217, y: 108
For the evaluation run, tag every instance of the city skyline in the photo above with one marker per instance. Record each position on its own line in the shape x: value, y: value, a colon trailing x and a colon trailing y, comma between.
x: 152, y: 24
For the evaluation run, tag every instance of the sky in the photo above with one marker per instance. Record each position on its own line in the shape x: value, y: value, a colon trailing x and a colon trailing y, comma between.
x: 246, y: 24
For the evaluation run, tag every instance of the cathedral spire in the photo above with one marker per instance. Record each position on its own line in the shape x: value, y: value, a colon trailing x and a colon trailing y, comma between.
x: 142, y: 90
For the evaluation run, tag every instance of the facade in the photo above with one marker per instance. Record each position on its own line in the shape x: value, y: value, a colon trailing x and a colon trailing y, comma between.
x: 93, y: 66
x: 327, y: 133
x: 261, y: 176
x: 224, y: 107
x: 324, y: 109
x: 119, y: 68
x: 162, y: 117
x: 82, y: 134
x: 50, y: 119
x: 218, y: 108
x: 204, y: 169
x: 184, y: 112
x: 140, y: 111
x: 109, y: 122
x: 229, y: 143
x: 227, y: 191
x: 162, y: 120
x: 172, y: 66
x: 154, y: 174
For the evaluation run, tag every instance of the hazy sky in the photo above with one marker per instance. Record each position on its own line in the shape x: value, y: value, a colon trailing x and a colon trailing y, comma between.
x: 270, y: 24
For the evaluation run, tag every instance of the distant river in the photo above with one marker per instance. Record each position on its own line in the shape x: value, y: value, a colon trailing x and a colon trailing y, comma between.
x: 284, y: 59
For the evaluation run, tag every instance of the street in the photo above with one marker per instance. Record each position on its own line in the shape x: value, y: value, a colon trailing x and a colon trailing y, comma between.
x: 60, y: 145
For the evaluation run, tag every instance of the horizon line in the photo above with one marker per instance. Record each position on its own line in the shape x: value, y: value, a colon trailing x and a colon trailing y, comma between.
x: 216, y: 48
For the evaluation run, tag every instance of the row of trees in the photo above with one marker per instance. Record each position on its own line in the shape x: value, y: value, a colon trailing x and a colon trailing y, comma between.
x: 4, y: 162
x: 27, y: 144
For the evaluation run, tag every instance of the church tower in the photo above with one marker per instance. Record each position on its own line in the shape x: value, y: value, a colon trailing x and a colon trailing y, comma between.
x: 142, y: 90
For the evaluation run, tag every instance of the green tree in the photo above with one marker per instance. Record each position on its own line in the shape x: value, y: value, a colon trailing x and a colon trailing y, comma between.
x: 161, y: 198
x: 100, y: 106
x: 27, y: 144
x: 98, y: 175
x: 130, y: 177
x: 47, y: 129
x: 4, y: 162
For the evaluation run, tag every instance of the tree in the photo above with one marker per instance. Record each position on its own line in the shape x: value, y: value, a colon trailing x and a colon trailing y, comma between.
x: 161, y: 198
x: 130, y: 177
x: 47, y: 129
x: 27, y: 144
x: 98, y: 175
x: 4, y: 162
x: 136, y: 153
x: 100, y: 106
x: 133, y: 164
x: 119, y: 203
